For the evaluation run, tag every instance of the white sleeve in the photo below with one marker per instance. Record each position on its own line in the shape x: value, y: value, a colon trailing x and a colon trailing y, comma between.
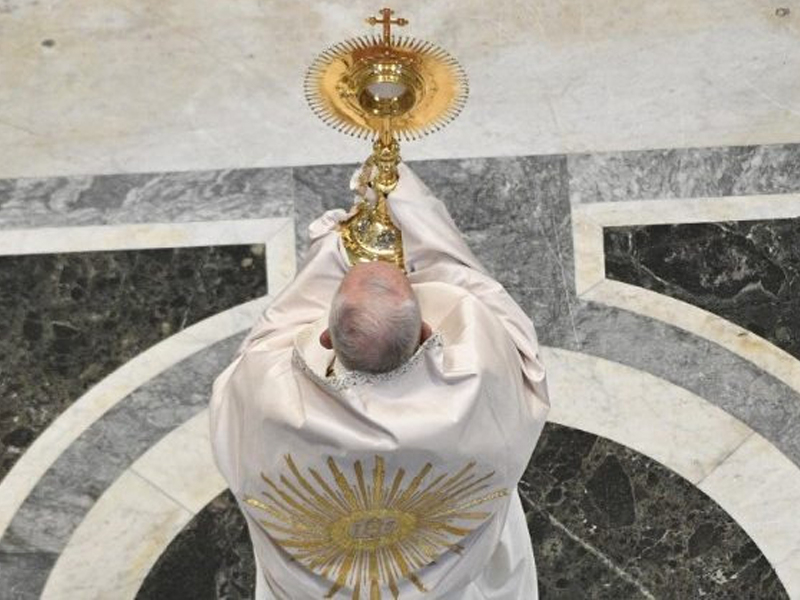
x: 309, y: 295
x: 302, y: 302
x: 430, y: 236
x: 435, y: 251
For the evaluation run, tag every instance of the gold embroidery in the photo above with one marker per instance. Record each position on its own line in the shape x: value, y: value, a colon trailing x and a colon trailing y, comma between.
x: 365, y: 535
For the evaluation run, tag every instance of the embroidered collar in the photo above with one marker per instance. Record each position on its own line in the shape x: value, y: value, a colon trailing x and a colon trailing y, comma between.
x: 349, y: 379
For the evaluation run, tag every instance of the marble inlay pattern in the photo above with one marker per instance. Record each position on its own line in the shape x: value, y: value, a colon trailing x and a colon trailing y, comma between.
x: 745, y: 271
x: 606, y: 522
x: 61, y: 499
x: 684, y: 173
x: 146, y: 198
x: 658, y: 419
x: 515, y: 213
x: 71, y: 319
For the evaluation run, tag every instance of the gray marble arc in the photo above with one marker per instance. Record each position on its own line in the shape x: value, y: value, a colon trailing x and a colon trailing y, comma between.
x: 515, y: 213
x: 61, y: 499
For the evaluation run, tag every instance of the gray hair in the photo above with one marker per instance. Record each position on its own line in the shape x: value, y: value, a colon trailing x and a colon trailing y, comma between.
x: 378, y: 329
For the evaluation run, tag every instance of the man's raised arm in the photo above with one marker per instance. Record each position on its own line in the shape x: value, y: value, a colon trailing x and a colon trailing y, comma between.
x: 308, y: 296
x: 430, y: 236
x: 434, y: 250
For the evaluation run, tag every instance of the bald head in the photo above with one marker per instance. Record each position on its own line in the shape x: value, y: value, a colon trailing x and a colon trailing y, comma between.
x: 375, y: 323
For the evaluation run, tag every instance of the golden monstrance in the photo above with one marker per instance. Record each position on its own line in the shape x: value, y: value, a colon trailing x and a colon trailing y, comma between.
x: 383, y: 88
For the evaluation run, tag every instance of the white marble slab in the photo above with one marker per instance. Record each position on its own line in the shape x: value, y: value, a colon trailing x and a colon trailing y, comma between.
x: 135, y: 87
x: 94, y: 238
x: 692, y: 210
x: 789, y: 572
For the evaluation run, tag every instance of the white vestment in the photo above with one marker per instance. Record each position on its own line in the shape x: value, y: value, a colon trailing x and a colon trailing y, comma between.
x: 401, y: 484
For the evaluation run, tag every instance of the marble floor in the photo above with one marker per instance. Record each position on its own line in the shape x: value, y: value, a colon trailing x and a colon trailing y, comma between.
x: 138, y: 86
x: 664, y: 285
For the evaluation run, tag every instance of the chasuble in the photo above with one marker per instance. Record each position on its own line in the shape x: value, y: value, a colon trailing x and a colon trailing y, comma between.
x: 391, y: 485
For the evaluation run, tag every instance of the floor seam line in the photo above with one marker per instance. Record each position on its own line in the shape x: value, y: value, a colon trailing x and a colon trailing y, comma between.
x: 136, y: 472
x: 724, y: 458
x: 591, y: 550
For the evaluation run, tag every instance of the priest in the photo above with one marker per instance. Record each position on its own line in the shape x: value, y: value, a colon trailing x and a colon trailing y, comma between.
x: 375, y: 423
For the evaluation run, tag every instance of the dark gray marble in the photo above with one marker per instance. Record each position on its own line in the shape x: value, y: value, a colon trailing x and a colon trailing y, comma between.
x: 68, y: 320
x: 684, y: 173
x: 605, y: 522
x: 146, y: 198
x: 25, y: 567
x: 60, y: 500
x: 747, y: 272
x: 608, y: 522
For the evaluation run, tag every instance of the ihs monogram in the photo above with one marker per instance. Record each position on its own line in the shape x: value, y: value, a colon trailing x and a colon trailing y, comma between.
x: 373, y: 528
x: 367, y: 536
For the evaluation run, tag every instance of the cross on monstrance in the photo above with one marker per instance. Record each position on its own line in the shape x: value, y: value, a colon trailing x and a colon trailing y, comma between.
x: 387, y: 23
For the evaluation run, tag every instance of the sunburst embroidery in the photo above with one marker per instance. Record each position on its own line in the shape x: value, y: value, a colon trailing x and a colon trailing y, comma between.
x: 368, y: 535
